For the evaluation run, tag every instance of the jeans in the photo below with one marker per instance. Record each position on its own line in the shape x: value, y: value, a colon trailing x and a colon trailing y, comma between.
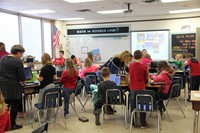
x: 66, y: 94
x: 41, y: 93
x: 142, y: 115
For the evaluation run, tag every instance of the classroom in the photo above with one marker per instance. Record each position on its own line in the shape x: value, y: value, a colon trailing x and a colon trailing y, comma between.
x: 145, y: 52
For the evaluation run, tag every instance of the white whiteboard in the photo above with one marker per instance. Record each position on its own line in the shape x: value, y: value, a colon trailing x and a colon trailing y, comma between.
x: 108, y: 46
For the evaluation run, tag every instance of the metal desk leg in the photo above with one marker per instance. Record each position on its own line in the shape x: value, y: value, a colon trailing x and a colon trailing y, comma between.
x: 196, y: 121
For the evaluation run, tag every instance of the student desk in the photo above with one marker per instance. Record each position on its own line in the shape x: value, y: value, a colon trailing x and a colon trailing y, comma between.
x: 195, y: 99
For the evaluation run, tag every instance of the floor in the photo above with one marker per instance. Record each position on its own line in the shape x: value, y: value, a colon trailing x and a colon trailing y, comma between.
x: 115, y: 123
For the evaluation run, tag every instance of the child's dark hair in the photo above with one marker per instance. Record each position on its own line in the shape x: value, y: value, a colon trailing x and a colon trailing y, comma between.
x: 17, y: 48
x: 164, y: 65
x: 61, y: 51
x: 189, y: 55
x: 105, y: 72
x: 137, y: 54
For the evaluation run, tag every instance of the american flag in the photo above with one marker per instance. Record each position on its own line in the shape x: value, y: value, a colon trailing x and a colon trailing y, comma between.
x: 56, y: 36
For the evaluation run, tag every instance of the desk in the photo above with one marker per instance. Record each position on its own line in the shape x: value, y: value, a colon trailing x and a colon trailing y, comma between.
x: 29, y: 90
x: 196, y: 107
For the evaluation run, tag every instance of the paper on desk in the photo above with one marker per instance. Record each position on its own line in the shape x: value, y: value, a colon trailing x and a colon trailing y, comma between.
x: 197, y: 95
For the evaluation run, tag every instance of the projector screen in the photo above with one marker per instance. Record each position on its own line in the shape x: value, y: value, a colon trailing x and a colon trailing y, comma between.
x: 155, y: 42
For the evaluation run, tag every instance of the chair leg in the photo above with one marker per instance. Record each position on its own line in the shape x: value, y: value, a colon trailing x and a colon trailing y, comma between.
x: 83, y: 108
x: 180, y: 107
x: 39, y: 120
x: 132, y: 117
x: 159, y: 121
x: 168, y: 114
x: 74, y: 109
x: 34, y: 112
x: 125, y: 116
x: 85, y: 102
x: 55, y: 116
x: 102, y: 115
x: 64, y: 120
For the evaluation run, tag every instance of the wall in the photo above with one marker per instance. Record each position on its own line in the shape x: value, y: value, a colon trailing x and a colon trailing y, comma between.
x: 174, y: 25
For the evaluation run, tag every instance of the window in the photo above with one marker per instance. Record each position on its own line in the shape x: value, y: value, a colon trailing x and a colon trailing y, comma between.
x: 9, y: 30
x: 47, y: 38
x: 31, y: 37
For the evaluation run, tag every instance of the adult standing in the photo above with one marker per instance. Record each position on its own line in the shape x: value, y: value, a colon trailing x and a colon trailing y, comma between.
x: 12, y: 77
x: 3, y: 50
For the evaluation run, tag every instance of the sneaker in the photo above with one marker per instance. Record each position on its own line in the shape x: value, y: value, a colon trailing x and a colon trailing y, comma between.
x: 66, y: 116
x: 144, y: 127
x: 15, y: 127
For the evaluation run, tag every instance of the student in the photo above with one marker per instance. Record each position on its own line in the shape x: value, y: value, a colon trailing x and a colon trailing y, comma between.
x: 138, y: 79
x: 165, y: 74
x: 144, y: 52
x: 194, y: 65
x: 178, y: 61
x: 102, y: 88
x: 12, y: 69
x: 89, y: 54
x: 119, y: 62
x: 88, y: 67
x: 60, y: 62
x: 46, y: 78
x: 68, y: 78
x: 3, y: 50
x: 77, y: 62
x: 5, y: 124
x: 146, y: 60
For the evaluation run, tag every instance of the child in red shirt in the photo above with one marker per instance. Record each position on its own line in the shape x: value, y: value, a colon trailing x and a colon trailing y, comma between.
x: 138, y: 79
x: 5, y: 124
x: 194, y: 65
x: 68, y: 78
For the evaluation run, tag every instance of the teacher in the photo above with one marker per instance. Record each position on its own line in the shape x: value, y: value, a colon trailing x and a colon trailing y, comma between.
x: 11, y: 80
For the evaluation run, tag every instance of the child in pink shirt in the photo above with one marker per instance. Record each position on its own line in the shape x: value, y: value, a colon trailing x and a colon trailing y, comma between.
x: 88, y: 67
x: 146, y: 60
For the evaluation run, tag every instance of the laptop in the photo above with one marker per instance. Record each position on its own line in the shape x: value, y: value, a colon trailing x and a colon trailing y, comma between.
x: 115, y: 78
x: 29, y: 76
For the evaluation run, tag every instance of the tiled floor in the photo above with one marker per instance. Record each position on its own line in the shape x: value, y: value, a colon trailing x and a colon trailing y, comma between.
x: 116, y: 123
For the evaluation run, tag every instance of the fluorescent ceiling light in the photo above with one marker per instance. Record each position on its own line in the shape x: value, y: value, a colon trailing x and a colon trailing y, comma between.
x: 37, y: 11
x: 170, y: 1
x: 111, y: 11
x: 185, y: 11
x: 80, y: 1
x: 68, y: 19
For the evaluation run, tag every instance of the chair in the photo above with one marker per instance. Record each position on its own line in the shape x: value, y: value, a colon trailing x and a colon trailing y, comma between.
x: 51, y: 99
x: 41, y: 129
x: 145, y: 101
x: 92, y: 76
x: 87, y: 82
x: 114, y: 97
x: 174, y: 92
x: 77, y: 92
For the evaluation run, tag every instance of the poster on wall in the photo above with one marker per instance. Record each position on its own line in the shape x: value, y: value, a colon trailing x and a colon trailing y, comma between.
x: 96, y: 55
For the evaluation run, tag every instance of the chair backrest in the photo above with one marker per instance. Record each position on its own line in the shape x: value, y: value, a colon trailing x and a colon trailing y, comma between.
x: 175, y: 88
x: 41, y: 129
x: 87, y: 82
x: 92, y: 76
x: 114, y: 96
x: 51, y: 98
x: 145, y: 100
x: 79, y: 87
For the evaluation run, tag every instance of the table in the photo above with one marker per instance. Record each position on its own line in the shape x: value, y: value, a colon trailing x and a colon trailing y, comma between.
x: 195, y: 99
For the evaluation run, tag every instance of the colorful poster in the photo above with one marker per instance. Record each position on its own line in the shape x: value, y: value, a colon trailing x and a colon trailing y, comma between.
x: 96, y: 55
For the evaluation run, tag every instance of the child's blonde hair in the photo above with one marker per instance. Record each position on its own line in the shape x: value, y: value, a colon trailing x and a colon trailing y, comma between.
x: 70, y: 66
x: 88, y: 62
x: 2, y: 104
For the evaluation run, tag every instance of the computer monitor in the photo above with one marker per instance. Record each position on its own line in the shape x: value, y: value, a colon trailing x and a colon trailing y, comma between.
x: 28, y: 73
